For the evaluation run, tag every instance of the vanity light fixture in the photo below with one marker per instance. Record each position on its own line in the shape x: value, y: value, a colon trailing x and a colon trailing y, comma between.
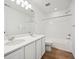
x: 23, y: 4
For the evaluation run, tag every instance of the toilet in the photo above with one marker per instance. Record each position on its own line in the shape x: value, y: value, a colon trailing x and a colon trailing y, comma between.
x: 48, y: 45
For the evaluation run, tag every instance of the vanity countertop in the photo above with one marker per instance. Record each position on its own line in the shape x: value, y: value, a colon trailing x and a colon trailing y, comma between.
x: 28, y: 39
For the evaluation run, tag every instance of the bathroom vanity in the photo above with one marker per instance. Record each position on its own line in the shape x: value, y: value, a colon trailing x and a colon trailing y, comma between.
x: 30, y: 48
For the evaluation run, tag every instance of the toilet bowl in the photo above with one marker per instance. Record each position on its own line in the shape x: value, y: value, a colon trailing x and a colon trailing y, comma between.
x: 48, y: 45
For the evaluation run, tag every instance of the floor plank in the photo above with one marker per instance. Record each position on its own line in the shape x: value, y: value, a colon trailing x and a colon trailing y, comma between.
x: 57, y: 54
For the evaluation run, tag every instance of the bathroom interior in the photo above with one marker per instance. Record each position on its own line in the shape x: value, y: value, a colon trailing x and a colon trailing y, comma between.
x: 39, y: 29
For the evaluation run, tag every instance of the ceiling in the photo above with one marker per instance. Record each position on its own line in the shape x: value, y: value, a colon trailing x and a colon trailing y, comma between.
x: 55, y: 5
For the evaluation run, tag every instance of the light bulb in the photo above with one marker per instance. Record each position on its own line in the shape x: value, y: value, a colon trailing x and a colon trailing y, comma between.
x: 30, y: 6
x: 26, y: 3
x: 18, y: 2
x: 26, y: 7
x: 22, y: 5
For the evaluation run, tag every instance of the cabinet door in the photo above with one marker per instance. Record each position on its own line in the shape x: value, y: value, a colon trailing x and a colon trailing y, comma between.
x: 19, y: 54
x: 30, y: 51
x: 43, y: 45
x: 38, y: 49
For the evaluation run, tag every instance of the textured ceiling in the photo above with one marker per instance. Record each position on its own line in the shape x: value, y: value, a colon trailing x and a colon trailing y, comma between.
x: 55, y: 5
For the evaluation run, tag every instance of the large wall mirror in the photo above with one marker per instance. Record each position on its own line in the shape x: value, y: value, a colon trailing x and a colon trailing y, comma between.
x: 19, y: 17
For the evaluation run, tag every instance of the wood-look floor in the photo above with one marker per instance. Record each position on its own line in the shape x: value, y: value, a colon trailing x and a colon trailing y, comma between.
x: 57, y: 54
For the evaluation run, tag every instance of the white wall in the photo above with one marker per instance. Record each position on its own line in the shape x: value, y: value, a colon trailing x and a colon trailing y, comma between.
x: 56, y: 30
x: 17, y: 22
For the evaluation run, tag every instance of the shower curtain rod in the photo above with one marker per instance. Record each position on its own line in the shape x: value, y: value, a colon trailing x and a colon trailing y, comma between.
x: 58, y: 17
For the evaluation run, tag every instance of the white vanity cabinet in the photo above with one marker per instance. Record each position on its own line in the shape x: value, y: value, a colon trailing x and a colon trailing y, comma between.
x: 38, y: 49
x: 18, y: 54
x: 33, y: 50
x: 30, y: 51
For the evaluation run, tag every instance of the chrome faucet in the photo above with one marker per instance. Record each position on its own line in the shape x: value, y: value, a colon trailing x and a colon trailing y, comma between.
x: 11, y: 39
x: 30, y: 33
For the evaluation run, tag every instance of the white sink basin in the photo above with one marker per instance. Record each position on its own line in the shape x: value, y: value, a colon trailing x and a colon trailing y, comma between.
x: 14, y: 42
x: 33, y: 35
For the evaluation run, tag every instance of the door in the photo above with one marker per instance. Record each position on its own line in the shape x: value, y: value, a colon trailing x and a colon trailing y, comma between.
x: 73, y: 31
x: 30, y: 51
x: 19, y: 54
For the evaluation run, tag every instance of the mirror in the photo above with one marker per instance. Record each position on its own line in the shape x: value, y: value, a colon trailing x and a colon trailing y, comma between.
x: 19, y: 17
